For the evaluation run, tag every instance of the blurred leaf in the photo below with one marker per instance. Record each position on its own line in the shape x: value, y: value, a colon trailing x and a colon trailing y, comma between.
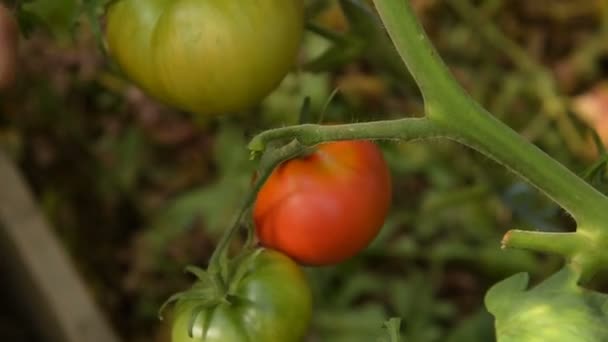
x: 124, y: 157
x: 359, y: 325
x: 394, y: 221
x: 358, y: 285
x: 215, y: 203
x: 28, y: 21
x: 344, y: 49
x: 283, y: 105
x: 406, y: 159
x: 477, y: 328
x: 230, y: 153
x: 415, y: 302
x: 59, y: 15
x: 129, y: 160
x: 392, y: 329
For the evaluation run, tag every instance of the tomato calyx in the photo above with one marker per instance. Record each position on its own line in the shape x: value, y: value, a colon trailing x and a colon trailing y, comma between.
x: 213, y: 287
x: 207, y: 292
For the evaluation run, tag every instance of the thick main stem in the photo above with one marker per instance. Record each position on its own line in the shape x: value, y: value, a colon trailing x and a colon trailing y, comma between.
x: 451, y: 108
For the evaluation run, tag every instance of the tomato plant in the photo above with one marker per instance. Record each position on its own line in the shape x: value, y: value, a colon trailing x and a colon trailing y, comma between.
x: 9, y: 41
x: 270, y: 301
x: 206, y: 57
x: 326, y: 206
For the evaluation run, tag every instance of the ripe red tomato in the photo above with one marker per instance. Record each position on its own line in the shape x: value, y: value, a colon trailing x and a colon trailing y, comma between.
x: 327, y: 206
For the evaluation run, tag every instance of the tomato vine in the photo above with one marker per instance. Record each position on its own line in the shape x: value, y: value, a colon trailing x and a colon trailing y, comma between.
x: 450, y: 113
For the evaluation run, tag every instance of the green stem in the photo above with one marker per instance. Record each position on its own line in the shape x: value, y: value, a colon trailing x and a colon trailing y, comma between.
x: 269, y: 161
x: 310, y: 135
x: 584, y: 252
x: 451, y: 108
x: 565, y: 244
x: 415, y: 48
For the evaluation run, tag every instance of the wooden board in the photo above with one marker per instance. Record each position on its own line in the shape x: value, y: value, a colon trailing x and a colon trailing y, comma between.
x: 55, y: 298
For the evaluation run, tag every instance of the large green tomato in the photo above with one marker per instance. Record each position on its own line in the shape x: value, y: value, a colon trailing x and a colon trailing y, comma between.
x: 271, y: 303
x: 206, y: 56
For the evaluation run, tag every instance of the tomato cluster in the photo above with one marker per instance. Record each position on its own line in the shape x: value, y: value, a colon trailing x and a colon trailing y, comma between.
x: 318, y: 209
x: 221, y: 56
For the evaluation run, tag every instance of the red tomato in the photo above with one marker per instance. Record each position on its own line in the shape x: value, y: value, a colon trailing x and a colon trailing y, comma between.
x: 327, y: 206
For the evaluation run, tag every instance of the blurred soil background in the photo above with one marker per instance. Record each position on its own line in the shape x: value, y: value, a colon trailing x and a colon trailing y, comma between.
x: 135, y: 190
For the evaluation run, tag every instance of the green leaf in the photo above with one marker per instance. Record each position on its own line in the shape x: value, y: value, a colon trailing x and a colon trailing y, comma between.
x: 59, y: 15
x: 358, y: 285
x: 339, y: 54
x: 283, y: 105
x: 476, y: 328
x: 556, y: 310
x: 499, y: 297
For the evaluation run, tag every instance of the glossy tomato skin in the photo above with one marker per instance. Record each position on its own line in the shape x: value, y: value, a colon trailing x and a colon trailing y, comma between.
x: 206, y: 57
x: 272, y: 303
x: 323, y: 208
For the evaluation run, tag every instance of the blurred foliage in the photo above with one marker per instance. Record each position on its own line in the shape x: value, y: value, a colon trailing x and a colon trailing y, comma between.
x: 137, y: 190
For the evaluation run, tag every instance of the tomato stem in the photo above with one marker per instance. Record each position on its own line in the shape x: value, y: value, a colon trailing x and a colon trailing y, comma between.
x: 270, y: 159
x: 310, y: 134
x: 565, y: 244
x: 583, y: 250
x: 448, y: 106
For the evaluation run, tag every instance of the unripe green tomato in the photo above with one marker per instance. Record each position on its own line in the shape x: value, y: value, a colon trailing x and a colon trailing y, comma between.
x: 271, y: 303
x: 206, y: 56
